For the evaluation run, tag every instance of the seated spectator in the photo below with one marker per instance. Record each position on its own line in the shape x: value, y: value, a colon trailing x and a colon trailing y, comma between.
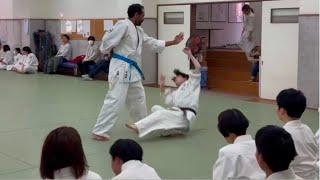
x: 236, y: 160
x: 17, y: 58
x: 1, y: 51
x: 7, y: 58
x: 275, y: 152
x: 291, y: 105
x: 63, y: 157
x: 91, y: 57
x: 255, y: 56
x: 127, y: 161
x: 17, y: 55
x: 102, y: 66
x: 64, y: 54
x: 28, y: 64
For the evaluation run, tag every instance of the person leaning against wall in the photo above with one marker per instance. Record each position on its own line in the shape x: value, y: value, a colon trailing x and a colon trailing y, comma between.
x: 64, y: 54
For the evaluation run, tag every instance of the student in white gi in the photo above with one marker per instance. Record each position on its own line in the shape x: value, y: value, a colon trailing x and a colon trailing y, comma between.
x: 28, y: 64
x: 236, y: 160
x: 7, y: 58
x: 91, y: 57
x: 17, y: 58
x: 127, y: 162
x: 247, y: 36
x: 275, y: 152
x: 63, y: 157
x: 125, y: 75
x: 64, y: 54
x: 183, y: 103
x: 291, y: 105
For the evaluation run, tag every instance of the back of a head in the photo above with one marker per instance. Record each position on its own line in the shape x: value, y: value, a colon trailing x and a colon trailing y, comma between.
x: 232, y: 121
x: 293, y: 101
x: 27, y: 49
x: 63, y: 148
x: 18, y: 50
x: 126, y: 150
x: 6, y: 48
x: 133, y: 9
x: 276, y: 147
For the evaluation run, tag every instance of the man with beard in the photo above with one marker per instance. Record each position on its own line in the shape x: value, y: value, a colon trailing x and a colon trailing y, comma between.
x: 125, y: 75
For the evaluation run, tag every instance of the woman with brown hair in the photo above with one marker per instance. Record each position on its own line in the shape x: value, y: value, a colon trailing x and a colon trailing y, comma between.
x: 63, y: 156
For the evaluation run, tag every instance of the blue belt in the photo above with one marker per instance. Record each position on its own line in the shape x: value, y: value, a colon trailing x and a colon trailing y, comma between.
x: 130, y: 62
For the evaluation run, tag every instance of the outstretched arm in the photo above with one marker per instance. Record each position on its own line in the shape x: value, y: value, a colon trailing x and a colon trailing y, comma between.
x: 195, y: 62
x: 177, y: 39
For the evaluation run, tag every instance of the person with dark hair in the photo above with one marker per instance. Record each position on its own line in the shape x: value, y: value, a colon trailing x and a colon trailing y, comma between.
x: 127, y: 162
x: 275, y: 152
x: 184, y: 102
x: 291, y: 105
x: 63, y: 157
x: 255, y: 58
x: 102, y: 66
x: 17, y: 54
x: 28, y: 64
x: 236, y: 160
x: 247, y: 42
x: 125, y: 77
x: 91, y: 57
x: 64, y: 54
x: 7, y: 59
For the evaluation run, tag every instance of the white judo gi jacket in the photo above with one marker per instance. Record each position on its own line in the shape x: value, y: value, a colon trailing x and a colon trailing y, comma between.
x: 66, y: 173
x: 174, y: 120
x: 135, y: 170
x: 238, y: 161
x: 284, y: 175
x: 127, y: 40
x: 248, y: 26
x: 305, y: 163
x: 125, y: 86
x: 8, y: 59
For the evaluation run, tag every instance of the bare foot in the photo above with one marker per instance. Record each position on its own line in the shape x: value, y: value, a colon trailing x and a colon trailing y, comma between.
x: 100, y: 137
x: 133, y: 128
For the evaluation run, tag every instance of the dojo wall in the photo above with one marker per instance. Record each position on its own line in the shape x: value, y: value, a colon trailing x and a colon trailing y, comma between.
x: 74, y: 9
x: 308, y: 68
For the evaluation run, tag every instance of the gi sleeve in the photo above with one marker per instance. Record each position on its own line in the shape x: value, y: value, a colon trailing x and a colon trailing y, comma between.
x: 195, y: 78
x: 223, y: 168
x: 112, y: 39
x: 155, y: 44
x: 168, y: 97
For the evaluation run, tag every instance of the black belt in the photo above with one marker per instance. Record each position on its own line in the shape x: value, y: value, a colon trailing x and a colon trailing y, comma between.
x: 184, y: 109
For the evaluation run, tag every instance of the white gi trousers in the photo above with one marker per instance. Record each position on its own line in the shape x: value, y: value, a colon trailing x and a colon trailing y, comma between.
x: 163, y: 122
x: 130, y: 93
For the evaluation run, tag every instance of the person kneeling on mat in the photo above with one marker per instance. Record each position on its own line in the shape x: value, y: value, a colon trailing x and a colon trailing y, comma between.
x: 184, y: 103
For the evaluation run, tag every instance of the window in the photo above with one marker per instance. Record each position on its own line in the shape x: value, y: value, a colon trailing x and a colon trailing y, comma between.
x: 285, y: 15
x: 174, y: 18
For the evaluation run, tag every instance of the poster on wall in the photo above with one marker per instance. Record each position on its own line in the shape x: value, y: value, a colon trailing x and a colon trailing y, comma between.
x: 84, y: 28
x: 68, y: 26
x: 219, y: 12
x: 202, y: 12
x: 235, y: 13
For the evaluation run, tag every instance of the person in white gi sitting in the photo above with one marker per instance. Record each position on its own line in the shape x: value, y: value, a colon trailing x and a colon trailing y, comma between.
x: 28, y: 64
x: 184, y: 103
x: 291, y: 105
x: 7, y: 58
x: 236, y: 160
x: 275, y: 152
x: 127, y: 162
